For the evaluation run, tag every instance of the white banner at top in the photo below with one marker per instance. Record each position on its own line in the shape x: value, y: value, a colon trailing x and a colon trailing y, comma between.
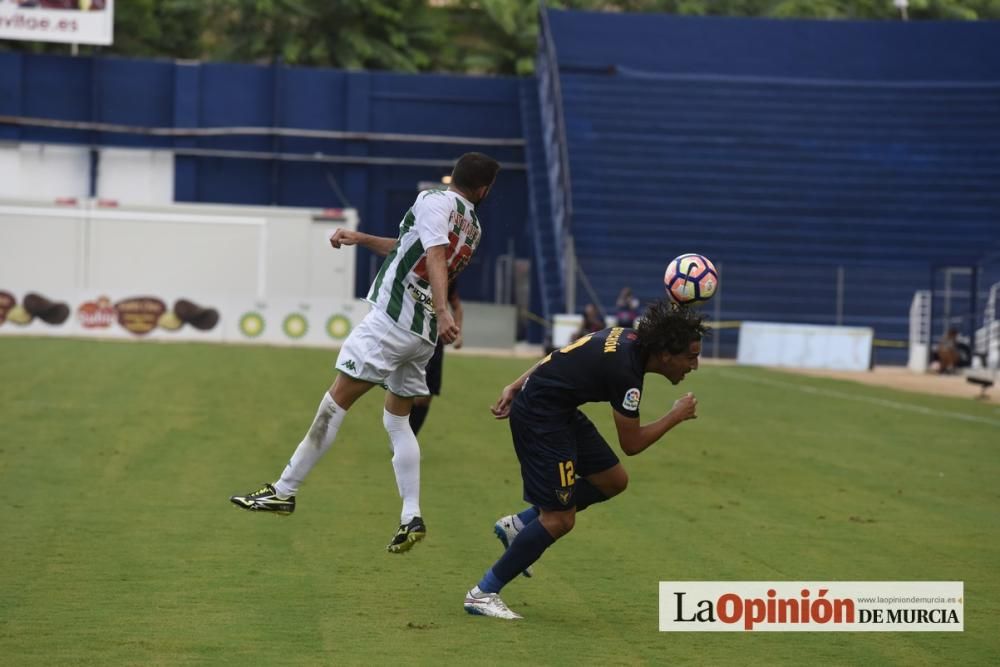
x: 69, y: 21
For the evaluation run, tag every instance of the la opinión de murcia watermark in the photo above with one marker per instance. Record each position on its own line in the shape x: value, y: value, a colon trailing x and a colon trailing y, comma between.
x: 832, y: 606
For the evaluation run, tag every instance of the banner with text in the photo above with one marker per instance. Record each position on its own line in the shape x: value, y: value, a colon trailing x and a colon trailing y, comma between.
x: 811, y: 606
x: 69, y: 21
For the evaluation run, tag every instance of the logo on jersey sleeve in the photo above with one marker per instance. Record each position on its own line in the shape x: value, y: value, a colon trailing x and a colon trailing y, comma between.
x: 631, y: 401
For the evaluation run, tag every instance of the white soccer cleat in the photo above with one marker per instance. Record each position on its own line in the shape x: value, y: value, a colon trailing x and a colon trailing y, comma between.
x: 479, y: 603
x: 506, y: 531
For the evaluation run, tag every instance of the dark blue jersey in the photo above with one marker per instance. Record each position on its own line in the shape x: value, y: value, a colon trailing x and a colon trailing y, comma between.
x: 602, y: 366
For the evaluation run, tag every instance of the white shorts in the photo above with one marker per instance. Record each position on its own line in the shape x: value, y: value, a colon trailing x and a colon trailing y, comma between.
x: 380, y: 352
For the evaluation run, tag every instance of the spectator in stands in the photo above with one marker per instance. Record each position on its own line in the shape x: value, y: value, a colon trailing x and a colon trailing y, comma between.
x: 947, y: 351
x: 627, y: 308
x: 592, y: 321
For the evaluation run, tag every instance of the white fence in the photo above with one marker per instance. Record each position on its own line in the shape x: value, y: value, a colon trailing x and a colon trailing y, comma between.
x: 987, y: 339
x: 805, y: 346
x: 267, y: 273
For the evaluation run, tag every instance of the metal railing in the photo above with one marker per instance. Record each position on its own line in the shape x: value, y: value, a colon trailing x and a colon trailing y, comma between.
x: 119, y: 128
x: 276, y: 132
x: 554, y: 141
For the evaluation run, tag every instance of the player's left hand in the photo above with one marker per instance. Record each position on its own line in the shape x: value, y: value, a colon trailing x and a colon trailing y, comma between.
x: 448, y: 331
x: 685, y: 407
x: 343, y: 237
x: 501, y: 409
x: 458, y: 341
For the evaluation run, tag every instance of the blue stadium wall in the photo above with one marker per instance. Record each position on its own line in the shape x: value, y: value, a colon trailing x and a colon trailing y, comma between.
x: 798, y: 154
x: 156, y: 93
x: 845, y: 50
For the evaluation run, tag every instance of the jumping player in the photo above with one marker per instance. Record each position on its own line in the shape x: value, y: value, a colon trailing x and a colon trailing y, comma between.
x: 382, y: 245
x: 392, y: 344
x: 566, y: 465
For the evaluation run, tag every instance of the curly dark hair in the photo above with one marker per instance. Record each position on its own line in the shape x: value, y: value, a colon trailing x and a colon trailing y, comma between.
x: 667, y: 326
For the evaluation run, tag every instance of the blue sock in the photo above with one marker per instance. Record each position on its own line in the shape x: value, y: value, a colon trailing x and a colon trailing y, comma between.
x: 527, y: 547
x: 528, y: 515
x: 489, y: 583
x: 587, y: 494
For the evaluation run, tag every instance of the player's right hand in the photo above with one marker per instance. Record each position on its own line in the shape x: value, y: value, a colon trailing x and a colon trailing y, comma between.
x: 343, y: 237
x: 448, y: 331
x: 501, y: 409
x: 685, y: 407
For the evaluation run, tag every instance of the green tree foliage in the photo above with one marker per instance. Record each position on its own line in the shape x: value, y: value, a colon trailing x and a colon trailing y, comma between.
x: 398, y: 35
x: 151, y: 28
x: 490, y: 36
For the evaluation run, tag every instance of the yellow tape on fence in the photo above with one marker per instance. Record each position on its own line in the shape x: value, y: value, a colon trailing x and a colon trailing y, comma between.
x: 885, y: 342
x: 734, y: 324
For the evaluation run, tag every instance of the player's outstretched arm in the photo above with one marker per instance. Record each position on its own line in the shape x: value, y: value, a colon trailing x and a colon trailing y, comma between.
x: 380, y: 245
x: 501, y: 409
x: 635, y: 438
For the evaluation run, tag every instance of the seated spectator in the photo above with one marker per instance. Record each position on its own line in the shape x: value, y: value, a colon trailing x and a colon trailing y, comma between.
x: 947, y: 351
x: 592, y: 321
x: 627, y: 308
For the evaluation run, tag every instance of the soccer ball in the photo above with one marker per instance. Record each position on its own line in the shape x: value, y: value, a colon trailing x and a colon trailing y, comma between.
x: 691, y: 278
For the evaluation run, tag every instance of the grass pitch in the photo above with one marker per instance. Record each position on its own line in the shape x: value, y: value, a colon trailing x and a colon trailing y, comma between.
x: 120, y: 546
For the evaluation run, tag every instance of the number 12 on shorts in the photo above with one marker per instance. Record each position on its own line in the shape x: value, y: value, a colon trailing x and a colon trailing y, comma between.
x: 566, y: 474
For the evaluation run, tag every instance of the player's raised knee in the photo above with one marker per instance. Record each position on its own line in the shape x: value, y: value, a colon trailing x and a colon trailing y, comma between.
x: 610, y: 482
x: 618, y: 484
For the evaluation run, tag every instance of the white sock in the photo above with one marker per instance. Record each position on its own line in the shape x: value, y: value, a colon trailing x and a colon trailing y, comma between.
x: 405, y: 461
x: 319, y: 439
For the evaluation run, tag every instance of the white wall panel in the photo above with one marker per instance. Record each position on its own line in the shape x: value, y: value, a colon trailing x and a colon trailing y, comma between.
x: 131, y: 176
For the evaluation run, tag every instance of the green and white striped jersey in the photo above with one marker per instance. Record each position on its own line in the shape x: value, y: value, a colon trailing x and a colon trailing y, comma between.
x: 401, y: 289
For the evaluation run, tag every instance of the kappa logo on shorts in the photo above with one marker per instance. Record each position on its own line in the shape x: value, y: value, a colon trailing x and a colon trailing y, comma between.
x: 564, y: 495
x: 631, y: 401
x: 349, y: 365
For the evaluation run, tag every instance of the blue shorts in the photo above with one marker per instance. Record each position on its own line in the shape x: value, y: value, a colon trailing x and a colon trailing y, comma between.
x: 552, y: 459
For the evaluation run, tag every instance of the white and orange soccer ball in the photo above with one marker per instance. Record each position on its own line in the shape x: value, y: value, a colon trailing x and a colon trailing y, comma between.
x: 691, y: 278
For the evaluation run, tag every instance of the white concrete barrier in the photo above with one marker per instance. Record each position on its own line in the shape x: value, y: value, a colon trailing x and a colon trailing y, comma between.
x: 805, y: 346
